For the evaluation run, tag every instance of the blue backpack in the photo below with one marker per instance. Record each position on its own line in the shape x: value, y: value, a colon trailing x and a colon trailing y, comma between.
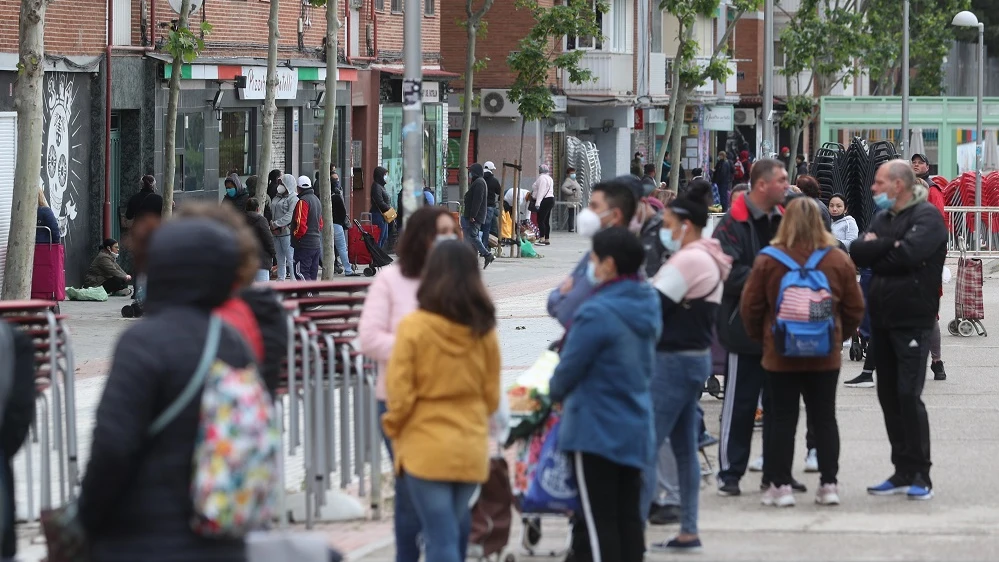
x: 804, y: 325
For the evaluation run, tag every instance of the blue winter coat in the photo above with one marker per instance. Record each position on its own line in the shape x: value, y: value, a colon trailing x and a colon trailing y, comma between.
x: 603, y: 377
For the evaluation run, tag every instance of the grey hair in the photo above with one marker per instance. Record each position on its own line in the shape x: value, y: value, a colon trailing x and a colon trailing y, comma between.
x: 901, y: 170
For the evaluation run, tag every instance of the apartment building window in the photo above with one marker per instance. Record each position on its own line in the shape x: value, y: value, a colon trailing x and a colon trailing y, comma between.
x: 588, y: 42
x: 380, y: 5
x: 396, y: 5
x: 429, y: 7
x: 657, y: 30
x: 778, y: 54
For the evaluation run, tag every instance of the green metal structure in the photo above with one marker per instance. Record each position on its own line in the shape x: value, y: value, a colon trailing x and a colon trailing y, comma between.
x: 950, y: 117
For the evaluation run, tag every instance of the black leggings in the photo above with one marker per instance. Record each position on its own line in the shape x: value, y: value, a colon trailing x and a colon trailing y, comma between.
x: 818, y: 389
x: 545, y: 217
x: 114, y: 284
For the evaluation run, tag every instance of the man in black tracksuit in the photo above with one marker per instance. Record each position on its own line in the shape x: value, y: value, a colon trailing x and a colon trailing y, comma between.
x: 473, y: 218
x: 746, y: 228
x: 905, y: 247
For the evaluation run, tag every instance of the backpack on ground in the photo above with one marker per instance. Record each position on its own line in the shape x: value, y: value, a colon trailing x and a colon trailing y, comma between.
x: 805, y: 324
x: 236, y: 454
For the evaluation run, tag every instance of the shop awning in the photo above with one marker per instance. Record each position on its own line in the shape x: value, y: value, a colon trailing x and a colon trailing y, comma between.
x: 427, y: 72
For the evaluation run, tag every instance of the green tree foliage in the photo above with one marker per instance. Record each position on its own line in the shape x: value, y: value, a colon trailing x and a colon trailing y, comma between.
x: 540, y: 53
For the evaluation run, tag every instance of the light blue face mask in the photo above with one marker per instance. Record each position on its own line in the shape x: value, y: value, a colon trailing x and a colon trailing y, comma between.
x: 883, y: 201
x: 591, y: 273
x: 230, y: 191
x: 572, y: 176
x: 666, y: 237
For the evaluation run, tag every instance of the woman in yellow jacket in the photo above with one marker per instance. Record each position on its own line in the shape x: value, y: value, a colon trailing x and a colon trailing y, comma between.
x: 443, y: 383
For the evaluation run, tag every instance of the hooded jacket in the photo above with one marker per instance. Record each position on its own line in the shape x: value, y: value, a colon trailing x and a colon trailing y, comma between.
x: 265, y: 240
x: 759, y: 307
x: 844, y: 228
x: 307, y: 221
x: 339, y: 208
x: 283, y: 206
x: 493, y: 188
x: 655, y: 253
x: 242, y: 194
x: 603, y: 377
x: 379, y: 197
x: 742, y: 232
x: 476, y: 196
x: 443, y: 384
x: 690, y: 291
x: 907, y: 259
x: 135, y: 500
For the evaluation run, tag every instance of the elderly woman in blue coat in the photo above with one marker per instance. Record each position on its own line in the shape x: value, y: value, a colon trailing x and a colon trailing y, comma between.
x: 602, y: 382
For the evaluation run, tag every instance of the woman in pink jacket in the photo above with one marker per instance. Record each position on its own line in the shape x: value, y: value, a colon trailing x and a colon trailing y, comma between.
x: 390, y: 298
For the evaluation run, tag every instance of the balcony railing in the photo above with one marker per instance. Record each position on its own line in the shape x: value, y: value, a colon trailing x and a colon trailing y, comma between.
x: 612, y: 75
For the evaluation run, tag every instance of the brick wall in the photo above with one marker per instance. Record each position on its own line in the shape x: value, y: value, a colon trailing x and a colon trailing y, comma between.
x: 749, y: 48
x: 72, y: 27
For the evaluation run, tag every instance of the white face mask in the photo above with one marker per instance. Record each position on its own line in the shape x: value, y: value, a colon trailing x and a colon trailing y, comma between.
x: 114, y: 255
x: 282, y: 189
x: 444, y: 237
x: 589, y: 222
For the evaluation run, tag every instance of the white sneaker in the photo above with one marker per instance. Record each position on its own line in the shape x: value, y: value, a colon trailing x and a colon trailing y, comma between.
x: 812, y: 461
x: 756, y: 465
x: 828, y: 494
x: 778, y: 497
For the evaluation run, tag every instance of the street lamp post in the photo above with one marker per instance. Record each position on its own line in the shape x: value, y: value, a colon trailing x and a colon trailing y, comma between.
x: 767, y: 147
x: 968, y: 19
x: 905, y: 79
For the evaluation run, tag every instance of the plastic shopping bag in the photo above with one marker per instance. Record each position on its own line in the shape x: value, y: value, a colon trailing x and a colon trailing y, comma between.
x: 553, y: 489
x: 97, y: 294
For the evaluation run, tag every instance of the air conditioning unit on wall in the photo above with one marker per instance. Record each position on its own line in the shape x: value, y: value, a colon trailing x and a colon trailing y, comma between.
x: 496, y: 103
x: 745, y: 117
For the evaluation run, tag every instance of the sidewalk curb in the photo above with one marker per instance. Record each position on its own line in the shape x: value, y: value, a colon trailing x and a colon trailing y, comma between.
x: 371, y: 548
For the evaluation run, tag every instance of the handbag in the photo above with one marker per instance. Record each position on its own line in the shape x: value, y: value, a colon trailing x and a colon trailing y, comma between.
x: 554, y: 488
x: 390, y: 215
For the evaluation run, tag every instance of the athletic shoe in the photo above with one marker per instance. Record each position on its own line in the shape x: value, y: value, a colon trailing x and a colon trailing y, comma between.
x: 865, y: 380
x: 891, y: 487
x: 778, y: 497
x: 676, y: 546
x: 706, y: 440
x: 812, y: 461
x: 758, y: 420
x: 489, y: 258
x: 795, y: 485
x: 728, y: 489
x: 756, y: 465
x: 828, y: 494
x: 920, y: 489
x: 938, y: 371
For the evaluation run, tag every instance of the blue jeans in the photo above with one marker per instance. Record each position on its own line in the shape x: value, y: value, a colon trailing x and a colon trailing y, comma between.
x: 378, y: 220
x: 445, y: 516
x: 262, y: 276
x: 488, y: 227
x: 472, y: 236
x: 676, y: 389
x: 285, y: 257
x: 340, y: 242
x: 407, y: 524
x: 307, y: 262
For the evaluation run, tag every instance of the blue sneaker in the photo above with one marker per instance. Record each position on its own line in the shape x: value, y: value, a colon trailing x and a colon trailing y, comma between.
x: 678, y: 547
x: 920, y: 490
x: 893, y: 486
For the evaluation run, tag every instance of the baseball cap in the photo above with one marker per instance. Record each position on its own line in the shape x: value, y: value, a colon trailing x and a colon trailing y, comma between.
x: 489, y: 166
x: 304, y: 182
x: 920, y: 156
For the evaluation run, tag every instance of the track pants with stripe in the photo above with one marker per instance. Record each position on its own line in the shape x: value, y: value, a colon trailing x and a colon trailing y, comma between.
x: 744, y: 382
x: 611, y: 528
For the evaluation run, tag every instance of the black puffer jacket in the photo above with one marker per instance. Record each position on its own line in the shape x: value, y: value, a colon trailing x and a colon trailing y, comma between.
x: 272, y: 320
x: 379, y: 197
x: 905, y: 289
x: 135, y: 501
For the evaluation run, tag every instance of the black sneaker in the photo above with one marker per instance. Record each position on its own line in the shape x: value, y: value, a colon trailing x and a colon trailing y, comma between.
x: 938, y: 371
x: 489, y: 259
x: 728, y: 489
x: 795, y: 485
x: 865, y: 380
x: 664, y: 515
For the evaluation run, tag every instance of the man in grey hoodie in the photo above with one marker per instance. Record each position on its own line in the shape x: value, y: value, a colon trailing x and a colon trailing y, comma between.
x: 283, y: 206
x: 473, y: 219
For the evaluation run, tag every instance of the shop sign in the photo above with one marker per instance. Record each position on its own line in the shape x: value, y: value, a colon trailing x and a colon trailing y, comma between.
x: 256, y: 83
x: 431, y: 92
x: 719, y: 118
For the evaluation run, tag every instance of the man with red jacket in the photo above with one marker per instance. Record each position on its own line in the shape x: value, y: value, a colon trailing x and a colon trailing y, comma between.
x: 921, y: 165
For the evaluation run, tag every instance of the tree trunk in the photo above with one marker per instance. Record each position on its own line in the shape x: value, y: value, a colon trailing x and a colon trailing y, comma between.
x: 517, y: 180
x: 270, y: 107
x: 675, y: 82
x: 675, y: 139
x: 329, y: 124
x: 28, y: 103
x: 170, y: 140
x: 792, y: 162
x: 466, y: 110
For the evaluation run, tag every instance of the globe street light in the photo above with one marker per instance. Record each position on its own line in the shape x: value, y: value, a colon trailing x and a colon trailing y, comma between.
x: 968, y: 19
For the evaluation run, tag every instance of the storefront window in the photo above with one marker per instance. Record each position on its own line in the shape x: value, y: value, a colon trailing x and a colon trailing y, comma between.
x: 433, y: 150
x: 234, y: 144
x: 339, y: 139
x: 190, y: 152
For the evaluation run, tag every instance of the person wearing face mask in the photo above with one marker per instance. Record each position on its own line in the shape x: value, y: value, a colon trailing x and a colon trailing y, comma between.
x: 571, y: 192
x: 601, y: 381
x: 646, y: 223
x: 306, y: 231
x: 341, y: 223
x: 746, y: 228
x: 612, y: 203
x: 493, y: 192
x: 284, y: 203
x: 105, y: 272
x: 905, y: 247
x: 690, y: 289
x: 380, y: 204
x: 391, y: 297
x: 473, y: 219
x: 844, y: 226
x: 235, y: 194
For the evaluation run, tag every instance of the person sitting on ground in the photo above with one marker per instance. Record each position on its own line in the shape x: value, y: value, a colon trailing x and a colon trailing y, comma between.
x: 104, y: 270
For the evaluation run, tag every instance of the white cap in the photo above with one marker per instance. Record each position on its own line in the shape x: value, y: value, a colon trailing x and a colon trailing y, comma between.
x: 489, y: 166
x: 304, y: 182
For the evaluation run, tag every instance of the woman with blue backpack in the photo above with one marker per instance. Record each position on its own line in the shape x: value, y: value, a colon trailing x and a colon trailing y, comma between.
x: 801, y: 301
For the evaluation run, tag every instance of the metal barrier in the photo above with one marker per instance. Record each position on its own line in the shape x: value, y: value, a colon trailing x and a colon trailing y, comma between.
x: 54, y: 377
x: 336, y: 387
x: 968, y: 225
